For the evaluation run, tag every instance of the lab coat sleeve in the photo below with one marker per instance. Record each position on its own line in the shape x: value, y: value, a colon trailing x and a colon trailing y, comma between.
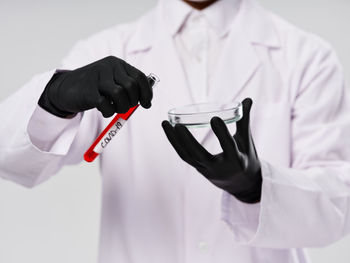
x: 34, y: 144
x: 308, y: 203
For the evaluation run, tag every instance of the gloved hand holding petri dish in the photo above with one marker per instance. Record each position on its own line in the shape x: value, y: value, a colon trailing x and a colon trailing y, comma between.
x: 237, y: 168
x: 199, y: 115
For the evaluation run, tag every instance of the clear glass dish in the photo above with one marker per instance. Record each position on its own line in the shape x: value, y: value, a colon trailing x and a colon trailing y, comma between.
x: 199, y: 115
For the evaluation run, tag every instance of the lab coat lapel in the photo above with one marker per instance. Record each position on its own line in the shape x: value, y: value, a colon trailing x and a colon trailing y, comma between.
x: 237, y: 66
x: 163, y: 60
x: 239, y: 61
x: 175, y: 85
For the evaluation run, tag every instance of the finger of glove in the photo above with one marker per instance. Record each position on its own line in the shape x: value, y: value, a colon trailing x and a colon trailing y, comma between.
x: 240, y: 143
x: 104, y: 79
x: 122, y: 100
x: 192, y: 146
x: 105, y: 107
x: 245, y: 135
x: 174, y: 141
x: 118, y: 95
x: 145, y: 89
x: 228, y: 144
x: 243, y: 124
x: 133, y: 91
x: 129, y: 84
x: 112, y: 91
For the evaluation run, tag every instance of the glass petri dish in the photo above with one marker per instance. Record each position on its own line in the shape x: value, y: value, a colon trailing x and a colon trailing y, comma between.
x: 199, y: 115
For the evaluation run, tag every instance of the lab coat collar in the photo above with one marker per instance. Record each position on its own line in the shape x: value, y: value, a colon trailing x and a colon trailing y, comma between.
x: 222, y: 14
x: 258, y: 25
x: 253, y: 20
x: 174, y: 14
x: 219, y: 15
x: 239, y: 60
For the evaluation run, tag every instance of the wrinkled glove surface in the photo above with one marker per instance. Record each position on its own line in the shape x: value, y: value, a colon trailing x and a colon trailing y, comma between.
x: 111, y: 85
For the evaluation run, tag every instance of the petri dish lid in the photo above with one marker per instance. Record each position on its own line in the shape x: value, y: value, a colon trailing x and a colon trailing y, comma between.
x: 199, y: 115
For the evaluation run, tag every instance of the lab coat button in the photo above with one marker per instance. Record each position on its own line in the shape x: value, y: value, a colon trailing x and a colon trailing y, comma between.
x: 203, y: 246
x: 195, y: 19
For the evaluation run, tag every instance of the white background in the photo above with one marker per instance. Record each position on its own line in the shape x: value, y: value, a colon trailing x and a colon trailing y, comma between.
x: 58, y: 221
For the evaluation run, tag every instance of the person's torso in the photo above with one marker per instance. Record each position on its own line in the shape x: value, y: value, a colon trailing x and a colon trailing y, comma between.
x: 156, y: 208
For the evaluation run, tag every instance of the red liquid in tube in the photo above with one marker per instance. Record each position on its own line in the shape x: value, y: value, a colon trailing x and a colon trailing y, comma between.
x: 113, y: 128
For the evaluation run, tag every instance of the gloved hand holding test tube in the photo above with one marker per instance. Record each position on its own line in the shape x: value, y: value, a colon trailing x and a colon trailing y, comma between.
x: 110, y: 85
x: 113, y: 128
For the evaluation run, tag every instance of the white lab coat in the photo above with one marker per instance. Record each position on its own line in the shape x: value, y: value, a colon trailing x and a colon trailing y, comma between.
x: 156, y: 208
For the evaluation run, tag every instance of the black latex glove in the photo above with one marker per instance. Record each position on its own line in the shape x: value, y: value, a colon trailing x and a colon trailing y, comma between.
x: 236, y: 170
x: 111, y: 85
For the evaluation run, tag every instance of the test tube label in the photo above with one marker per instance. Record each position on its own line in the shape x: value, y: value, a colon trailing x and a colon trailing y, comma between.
x: 109, y: 136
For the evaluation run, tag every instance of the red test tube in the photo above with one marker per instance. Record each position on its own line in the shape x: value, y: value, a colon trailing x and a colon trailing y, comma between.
x: 113, y: 128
